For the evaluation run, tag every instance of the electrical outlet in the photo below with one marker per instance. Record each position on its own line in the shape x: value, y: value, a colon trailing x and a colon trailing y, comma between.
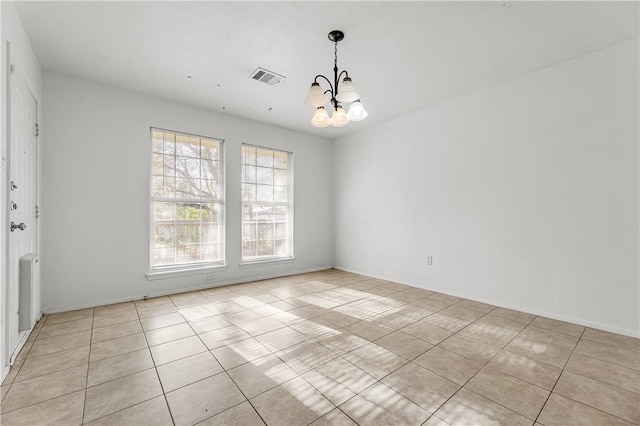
x: 429, y: 260
x: 211, y: 277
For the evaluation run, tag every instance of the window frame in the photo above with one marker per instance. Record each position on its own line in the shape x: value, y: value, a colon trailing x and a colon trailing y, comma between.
x: 173, y: 270
x: 289, y: 204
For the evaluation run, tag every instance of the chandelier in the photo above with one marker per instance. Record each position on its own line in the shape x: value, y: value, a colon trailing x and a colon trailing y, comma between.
x: 340, y: 92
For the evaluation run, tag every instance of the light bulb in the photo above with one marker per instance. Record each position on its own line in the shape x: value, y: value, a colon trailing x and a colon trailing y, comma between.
x: 321, y: 118
x: 316, y: 96
x: 347, y: 91
x: 357, y: 111
x: 339, y: 117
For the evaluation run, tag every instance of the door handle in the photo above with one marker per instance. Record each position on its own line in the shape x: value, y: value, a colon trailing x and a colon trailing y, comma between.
x: 13, y: 186
x: 21, y: 226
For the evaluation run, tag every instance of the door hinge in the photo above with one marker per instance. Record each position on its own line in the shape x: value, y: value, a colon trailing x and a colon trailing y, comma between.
x: 12, y: 69
x: 37, y: 129
x: 37, y: 212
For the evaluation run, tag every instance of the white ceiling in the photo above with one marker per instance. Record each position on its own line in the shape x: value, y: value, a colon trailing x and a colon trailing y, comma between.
x: 402, y: 56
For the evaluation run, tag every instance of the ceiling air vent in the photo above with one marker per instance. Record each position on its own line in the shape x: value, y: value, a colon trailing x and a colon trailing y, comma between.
x: 266, y: 76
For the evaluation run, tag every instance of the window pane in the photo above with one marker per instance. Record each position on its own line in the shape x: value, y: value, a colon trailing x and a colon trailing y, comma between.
x: 281, y: 177
x: 264, y: 157
x: 247, y: 213
x: 265, y: 193
x: 249, y: 192
x: 209, y: 148
x: 169, y: 165
x: 211, y: 213
x: 189, y: 167
x: 250, y: 174
x: 265, y: 176
x: 249, y: 232
x: 280, y: 160
x: 187, y: 146
x: 249, y: 155
x: 158, y: 145
x: 209, y: 169
x: 281, y: 247
x: 163, y: 187
x: 249, y: 249
x: 157, y: 165
x: 187, y: 188
x: 164, y: 236
x: 210, y: 233
x: 209, y: 189
x: 281, y: 213
x: 280, y: 194
x: 265, y: 231
x: 265, y: 248
x: 169, y: 145
x: 164, y: 211
x: 262, y: 213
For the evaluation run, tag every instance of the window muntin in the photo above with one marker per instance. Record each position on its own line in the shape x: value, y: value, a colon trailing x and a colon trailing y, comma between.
x: 187, y: 201
x: 267, y: 204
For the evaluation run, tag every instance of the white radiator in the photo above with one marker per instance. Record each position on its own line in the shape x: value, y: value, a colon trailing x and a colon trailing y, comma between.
x: 29, y: 274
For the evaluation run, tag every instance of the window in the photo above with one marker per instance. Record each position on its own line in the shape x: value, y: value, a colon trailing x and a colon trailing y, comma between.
x: 187, y: 201
x: 267, y: 204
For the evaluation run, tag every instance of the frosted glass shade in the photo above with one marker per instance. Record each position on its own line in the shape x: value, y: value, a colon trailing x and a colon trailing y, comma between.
x: 321, y: 118
x: 357, y: 111
x: 316, y: 96
x: 347, y: 91
x: 339, y: 117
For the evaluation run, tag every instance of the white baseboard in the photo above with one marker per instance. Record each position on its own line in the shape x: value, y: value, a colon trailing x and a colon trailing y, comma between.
x: 184, y: 290
x: 5, y: 372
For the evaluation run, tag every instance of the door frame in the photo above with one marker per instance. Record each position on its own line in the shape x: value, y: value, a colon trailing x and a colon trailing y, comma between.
x: 11, y: 353
x: 4, y: 216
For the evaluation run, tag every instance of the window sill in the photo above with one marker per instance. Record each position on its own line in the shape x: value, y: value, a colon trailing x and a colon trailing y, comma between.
x: 266, y: 262
x: 175, y: 273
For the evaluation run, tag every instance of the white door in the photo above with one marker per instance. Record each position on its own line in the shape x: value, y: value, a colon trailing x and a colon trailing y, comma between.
x: 22, y: 194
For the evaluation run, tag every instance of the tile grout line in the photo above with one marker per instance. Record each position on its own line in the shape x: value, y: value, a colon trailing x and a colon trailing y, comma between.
x: 481, y: 368
x: 460, y: 386
x: 560, y: 375
x: 490, y: 359
x: 155, y: 367
x: 224, y: 371
x: 530, y: 323
x: 117, y: 378
x: 22, y: 361
x: 613, y: 347
x: 274, y: 353
x: 579, y: 402
x: 379, y: 381
x: 16, y: 376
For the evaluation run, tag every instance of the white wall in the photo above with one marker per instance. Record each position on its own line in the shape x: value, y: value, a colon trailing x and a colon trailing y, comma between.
x: 21, y: 51
x: 96, y: 166
x: 525, y: 194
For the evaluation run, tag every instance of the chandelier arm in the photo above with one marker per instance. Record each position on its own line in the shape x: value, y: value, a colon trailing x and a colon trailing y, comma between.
x: 346, y: 74
x: 315, y: 80
x: 333, y: 89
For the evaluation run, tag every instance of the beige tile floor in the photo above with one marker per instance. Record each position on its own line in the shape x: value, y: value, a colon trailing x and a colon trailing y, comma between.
x: 323, y: 348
